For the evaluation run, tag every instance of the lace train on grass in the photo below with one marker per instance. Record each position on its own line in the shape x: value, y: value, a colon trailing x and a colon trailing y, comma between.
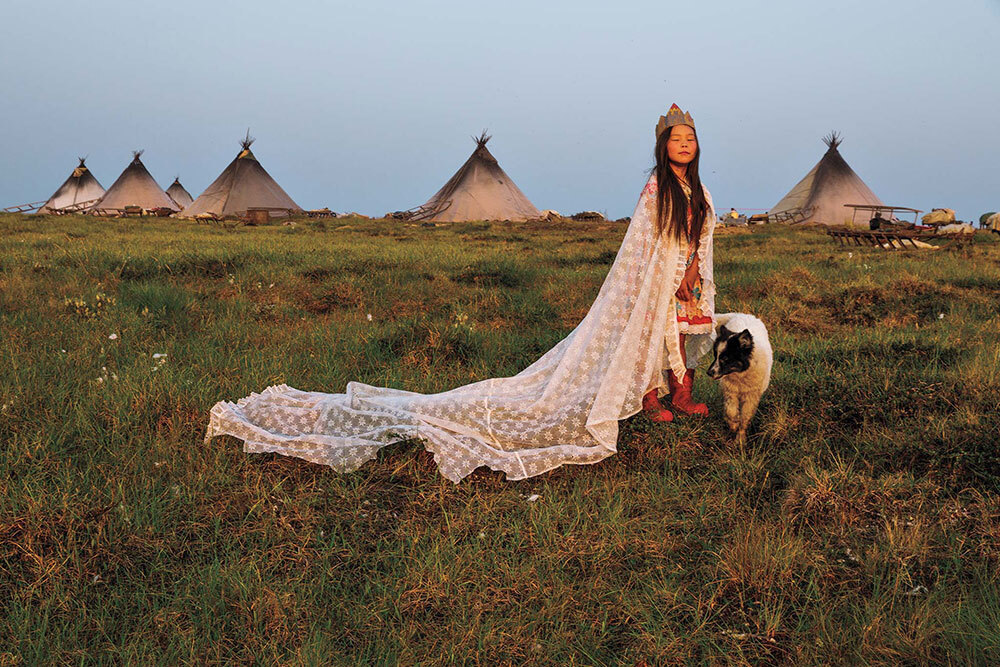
x: 563, y: 408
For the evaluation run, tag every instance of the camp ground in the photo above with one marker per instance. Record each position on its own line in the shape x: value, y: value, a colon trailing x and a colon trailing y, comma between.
x: 831, y: 194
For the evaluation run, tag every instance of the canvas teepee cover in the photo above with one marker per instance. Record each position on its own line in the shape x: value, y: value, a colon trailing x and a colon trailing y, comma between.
x: 80, y: 187
x: 821, y: 195
x: 242, y: 185
x: 135, y: 187
x: 479, y: 190
x: 179, y: 194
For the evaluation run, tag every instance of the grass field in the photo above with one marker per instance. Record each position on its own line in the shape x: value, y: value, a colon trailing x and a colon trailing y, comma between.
x: 860, y: 524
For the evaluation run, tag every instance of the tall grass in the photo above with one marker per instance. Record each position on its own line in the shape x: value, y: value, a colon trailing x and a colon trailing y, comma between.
x: 859, y: 525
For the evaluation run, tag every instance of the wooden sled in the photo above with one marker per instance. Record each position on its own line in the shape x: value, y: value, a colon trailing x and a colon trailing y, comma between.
x: 23, y: 208
x: 895, y: 239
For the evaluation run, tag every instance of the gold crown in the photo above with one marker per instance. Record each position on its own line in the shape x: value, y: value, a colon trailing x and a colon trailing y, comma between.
x: 674, y: 117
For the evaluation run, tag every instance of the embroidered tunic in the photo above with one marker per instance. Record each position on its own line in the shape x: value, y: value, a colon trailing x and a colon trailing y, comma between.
x: 692, y: 316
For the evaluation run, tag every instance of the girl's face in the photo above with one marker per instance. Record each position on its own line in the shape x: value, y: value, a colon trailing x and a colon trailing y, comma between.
x: 682, y: 145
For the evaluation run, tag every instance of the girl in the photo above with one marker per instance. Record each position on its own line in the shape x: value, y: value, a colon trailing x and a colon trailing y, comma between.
x: 683, y: 215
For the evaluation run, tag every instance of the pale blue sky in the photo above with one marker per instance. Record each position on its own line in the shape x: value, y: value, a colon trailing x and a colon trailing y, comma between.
x: 369, y: 106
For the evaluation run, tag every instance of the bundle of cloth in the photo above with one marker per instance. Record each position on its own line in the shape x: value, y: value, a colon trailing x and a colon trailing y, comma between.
x: 896, y: 243
x: 956, y: 228
x: 938, y: 216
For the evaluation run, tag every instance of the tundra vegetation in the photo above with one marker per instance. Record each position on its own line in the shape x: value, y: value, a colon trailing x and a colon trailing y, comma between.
x: 860, y: 523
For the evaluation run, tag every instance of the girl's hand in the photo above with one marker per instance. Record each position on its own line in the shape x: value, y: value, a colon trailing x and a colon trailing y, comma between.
x: 684, y: 292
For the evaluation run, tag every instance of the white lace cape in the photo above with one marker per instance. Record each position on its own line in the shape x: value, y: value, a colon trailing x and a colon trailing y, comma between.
x: 563, y: 408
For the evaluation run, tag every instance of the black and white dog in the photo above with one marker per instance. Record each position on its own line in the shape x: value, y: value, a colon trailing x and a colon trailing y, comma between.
x: 742, y: 365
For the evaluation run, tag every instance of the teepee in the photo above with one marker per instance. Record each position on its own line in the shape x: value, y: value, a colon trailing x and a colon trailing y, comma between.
x: 135, y: 187
x: 821, y: 195
x: 479, y: 190
x: 179, y: 194
x: 243, y: 185
x: 80, y: 188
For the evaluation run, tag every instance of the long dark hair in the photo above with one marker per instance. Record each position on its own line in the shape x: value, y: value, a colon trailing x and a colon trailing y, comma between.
x: 670, y: 197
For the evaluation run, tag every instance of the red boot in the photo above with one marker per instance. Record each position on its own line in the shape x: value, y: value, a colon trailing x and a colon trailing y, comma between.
x: 654, y: 410
x: 680, y: 394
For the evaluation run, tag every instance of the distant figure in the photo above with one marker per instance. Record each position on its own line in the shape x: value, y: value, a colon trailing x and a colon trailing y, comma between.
x: 875, y: 222
x: 733, y: 214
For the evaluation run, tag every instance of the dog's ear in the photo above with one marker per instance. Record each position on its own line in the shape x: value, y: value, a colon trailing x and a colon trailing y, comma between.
x: 724, y: 332
x: 746, y: 339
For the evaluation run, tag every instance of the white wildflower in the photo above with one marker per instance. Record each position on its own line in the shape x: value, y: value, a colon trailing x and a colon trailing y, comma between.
x: 533, y: 497
x: 368, y: 317
x: 113, y: 336
x: 62, y: 350
x: 96, y: 579
x: 481, y: 535
x: 159, y: 355
x: 940, y: 316
x: 270, y: 286
x: 916, y: 590
x: 100, y: 380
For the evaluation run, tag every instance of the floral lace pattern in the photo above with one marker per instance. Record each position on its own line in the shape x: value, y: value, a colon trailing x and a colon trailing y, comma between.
x: 563, y: 408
